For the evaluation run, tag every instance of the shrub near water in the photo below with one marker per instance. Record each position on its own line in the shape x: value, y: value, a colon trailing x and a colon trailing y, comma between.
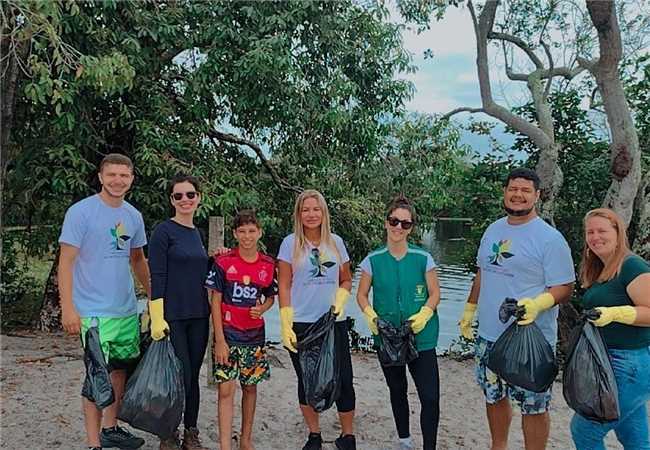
x: 22, y: 284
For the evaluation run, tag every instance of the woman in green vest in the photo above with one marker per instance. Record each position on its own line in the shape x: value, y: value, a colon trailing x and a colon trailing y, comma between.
x: 405, y: 288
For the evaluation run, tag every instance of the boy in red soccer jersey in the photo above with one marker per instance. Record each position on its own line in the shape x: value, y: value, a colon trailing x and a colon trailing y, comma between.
x: 242, y: 285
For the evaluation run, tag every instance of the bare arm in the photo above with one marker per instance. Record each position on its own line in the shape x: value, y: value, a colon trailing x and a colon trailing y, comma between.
x: 363, y: 290
x: 433, y: 286
x: 285, y: 276
x: 141, y: 269
x: 476, y: 289
x: 561, y: 293
x: 258, y: 310
x: 639, y: 292
x: 221, y: 349
x: 69, y: 316
x: 345, y: 277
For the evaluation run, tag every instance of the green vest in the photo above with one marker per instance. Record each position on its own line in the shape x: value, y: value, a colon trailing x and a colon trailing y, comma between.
x: 399, y: 290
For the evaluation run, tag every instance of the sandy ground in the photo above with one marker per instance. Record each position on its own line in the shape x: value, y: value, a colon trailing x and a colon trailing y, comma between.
x: 41, y: 376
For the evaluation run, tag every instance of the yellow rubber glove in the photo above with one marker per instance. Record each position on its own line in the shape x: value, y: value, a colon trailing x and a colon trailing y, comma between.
x: 419, y: 320
x: 371, y: 317
x: 621, y: 314
x: 340, y: 299
x: 159, y: 328
x: 466, y: 321
x: 534, y: 306
x: 289, y: 338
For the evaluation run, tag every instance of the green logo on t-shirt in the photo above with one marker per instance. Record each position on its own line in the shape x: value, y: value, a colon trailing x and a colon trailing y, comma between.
x: 500, y: 252
x: 120, y: 237
x: 320, y: 263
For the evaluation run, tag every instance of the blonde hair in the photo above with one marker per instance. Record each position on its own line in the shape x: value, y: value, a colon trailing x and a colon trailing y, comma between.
x: 592, y: 268
x: 299, y: 245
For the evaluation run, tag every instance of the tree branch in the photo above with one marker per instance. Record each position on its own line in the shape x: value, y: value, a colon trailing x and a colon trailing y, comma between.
x: 588, y: 64
x: 516, y: 76
x: 603, y: 16
x: 460, y: 110
x: 232, y: 139
x: 551, y: 64
x: 482, y: 27
x: 519, y: 43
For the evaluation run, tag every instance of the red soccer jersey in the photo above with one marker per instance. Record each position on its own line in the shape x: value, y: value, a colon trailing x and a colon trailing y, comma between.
x: 242, y: 286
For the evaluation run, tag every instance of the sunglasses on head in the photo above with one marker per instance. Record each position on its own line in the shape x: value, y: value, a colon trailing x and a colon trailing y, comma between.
x: 179, y: 195
x: 394, y: 221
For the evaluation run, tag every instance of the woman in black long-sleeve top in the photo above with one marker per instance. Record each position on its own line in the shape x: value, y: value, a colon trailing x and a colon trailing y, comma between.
x: 178, y: 263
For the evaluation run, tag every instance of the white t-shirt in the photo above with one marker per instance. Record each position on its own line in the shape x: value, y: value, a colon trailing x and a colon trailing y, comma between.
x: 315, y: 277
x: 519, y: 261
x: 102, y: 284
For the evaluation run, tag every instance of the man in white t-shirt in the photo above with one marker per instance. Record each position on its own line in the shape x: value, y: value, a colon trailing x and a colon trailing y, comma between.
x: 521, y: 257
x: 102, y: 240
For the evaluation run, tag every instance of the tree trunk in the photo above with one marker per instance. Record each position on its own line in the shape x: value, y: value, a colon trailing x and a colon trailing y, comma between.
x: 641, y: 245
x: 542, y: 133
x: 548, y: 169
x: 50, y: 315
x: 551, y: 179
x: 625, y: 155
x: 10, y: 75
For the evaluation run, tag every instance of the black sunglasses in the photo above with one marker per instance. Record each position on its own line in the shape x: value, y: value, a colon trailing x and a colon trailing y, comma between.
x: 394, y: 221
x: 179, y: 195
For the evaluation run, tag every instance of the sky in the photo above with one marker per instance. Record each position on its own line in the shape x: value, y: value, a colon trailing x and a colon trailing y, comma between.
x: 449, y: 80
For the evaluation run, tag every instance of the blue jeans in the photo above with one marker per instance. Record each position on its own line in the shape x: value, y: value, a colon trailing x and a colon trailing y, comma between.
x: 632, y: 373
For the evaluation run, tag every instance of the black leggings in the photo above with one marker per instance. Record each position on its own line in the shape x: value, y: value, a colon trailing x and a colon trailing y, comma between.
x: 346, y: 401
x: 190, y: 339
x: 424, y: 370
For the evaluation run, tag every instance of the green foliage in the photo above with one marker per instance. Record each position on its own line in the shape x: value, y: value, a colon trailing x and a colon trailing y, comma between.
x: 17, y: 281
x: 312, y: 83
x: 481, y: 198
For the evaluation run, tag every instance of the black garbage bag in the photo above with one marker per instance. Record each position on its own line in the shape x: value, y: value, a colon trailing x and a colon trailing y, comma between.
x: 521, y: 355
x: 397, y: 347
x: 145, y: 341
x: 589, y: 385
x: 155, y: 396
x: 97, y: 385
x: 319, y: 362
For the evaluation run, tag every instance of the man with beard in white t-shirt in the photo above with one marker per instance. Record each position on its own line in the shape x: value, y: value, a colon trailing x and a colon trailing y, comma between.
x: 521, y: 257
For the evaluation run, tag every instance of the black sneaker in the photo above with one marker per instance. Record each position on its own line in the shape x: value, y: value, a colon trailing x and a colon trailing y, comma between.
x: 94, y: 448
x: 347, y: 442
x: 118, y: 437
x: 314, y: 442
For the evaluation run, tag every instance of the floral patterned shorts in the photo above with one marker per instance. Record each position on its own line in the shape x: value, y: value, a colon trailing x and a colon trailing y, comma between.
x: 247, y: 363
x: 496, y: 389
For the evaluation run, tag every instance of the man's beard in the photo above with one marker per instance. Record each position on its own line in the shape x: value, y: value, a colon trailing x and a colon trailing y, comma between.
x: 518, y: 212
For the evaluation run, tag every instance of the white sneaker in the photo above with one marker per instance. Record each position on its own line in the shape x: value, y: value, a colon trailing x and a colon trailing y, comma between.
x: 405, y: 444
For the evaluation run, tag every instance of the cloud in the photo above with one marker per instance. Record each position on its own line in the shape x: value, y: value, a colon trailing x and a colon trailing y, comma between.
x: 452, y: 35
x: 468, y: 77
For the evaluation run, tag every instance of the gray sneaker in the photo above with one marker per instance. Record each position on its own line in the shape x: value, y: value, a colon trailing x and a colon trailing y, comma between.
x: 118, y: 437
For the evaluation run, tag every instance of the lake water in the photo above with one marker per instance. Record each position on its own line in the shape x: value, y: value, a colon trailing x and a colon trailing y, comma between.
x: 455, y: 282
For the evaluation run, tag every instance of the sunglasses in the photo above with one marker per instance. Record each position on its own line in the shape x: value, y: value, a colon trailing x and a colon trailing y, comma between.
x: 394, y: 221
x: 179, y: 195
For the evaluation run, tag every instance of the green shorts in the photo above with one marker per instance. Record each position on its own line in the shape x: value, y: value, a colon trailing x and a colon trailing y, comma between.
x: 247, y: 363
x: 118, y: 336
